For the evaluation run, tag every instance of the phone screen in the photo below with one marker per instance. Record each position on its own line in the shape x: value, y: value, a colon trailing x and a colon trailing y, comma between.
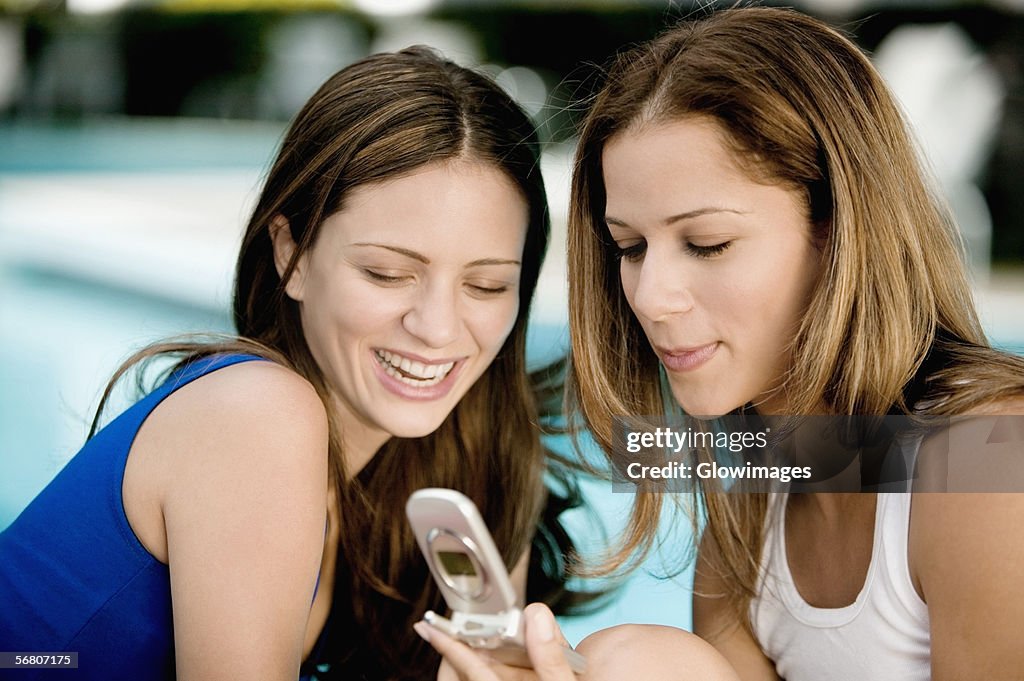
x: 457, y: 564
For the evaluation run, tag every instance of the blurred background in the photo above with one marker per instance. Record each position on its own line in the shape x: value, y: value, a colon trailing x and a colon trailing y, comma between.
x: 134, y: 135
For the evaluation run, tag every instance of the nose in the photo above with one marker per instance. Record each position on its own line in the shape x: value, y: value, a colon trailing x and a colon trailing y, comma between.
x: 660, y: 286
x: 433, y: 316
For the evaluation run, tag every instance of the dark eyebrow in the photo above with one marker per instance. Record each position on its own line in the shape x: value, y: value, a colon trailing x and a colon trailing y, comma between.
x: 492, y: 261
x: 426, y: 261
x: 689, y: 215
x: 401, y: 251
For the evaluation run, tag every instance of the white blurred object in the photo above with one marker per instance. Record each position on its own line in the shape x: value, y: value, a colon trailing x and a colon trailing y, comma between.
x: 526, y: 86
x: 396, y: 8
x: 171, y: 235
x: 304, y: 51
x: 453, y: 40
x: 954, y: 100
x: 96, y: 6
x: 551, y: 302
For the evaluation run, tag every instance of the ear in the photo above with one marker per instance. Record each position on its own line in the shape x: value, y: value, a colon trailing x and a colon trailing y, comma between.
x: 284, y: 251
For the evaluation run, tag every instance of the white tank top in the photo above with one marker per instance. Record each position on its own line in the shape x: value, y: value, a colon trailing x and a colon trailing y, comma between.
x: 884, y: 634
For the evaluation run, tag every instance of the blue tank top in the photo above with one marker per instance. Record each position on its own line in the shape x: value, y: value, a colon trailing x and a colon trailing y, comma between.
x: 73, y: 575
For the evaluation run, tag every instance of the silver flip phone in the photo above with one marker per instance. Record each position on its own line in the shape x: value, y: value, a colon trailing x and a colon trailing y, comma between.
x: 472, y: 577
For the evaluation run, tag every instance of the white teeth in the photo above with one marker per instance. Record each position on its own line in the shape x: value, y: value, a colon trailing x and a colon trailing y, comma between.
x: 411, y: 372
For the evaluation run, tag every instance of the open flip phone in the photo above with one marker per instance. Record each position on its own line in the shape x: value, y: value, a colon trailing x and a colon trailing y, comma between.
x: 472, y: 577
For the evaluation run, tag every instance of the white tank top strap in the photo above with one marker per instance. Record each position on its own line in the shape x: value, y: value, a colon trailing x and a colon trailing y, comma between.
x: 894, y: 510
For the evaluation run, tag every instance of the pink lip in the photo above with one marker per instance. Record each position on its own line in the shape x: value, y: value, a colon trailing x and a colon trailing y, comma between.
x: 409, y: 392
x: 686, y: 359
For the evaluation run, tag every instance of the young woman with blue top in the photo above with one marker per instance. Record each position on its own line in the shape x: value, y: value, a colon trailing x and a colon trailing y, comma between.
x: 245, y: 519
x: 752, y: 229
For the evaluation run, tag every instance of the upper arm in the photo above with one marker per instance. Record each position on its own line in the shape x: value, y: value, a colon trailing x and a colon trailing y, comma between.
x: 967, y: 552
x: 244, y: 514
x: 716, y: 622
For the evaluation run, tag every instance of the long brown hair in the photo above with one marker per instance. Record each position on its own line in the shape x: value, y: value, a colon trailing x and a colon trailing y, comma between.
x: 381, y: 118
x: 803, y: 108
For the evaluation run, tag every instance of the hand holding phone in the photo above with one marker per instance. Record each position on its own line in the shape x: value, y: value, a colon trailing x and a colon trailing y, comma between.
x: 472, y: 577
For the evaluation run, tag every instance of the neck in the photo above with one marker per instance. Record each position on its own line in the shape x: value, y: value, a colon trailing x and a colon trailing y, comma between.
x: 834, y: 507
x: 360, y: 441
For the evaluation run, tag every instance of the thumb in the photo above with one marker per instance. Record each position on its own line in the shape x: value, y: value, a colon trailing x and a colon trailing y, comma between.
x: 546, y: 645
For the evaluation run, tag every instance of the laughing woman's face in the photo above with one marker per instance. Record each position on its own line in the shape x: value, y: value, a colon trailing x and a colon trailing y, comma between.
x: 409, y: 293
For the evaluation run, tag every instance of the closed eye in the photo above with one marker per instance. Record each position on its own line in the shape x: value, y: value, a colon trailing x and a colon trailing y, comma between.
x: 383, y: 277
x: 630, y: 253
x: 707, y: 251
x: 488, y: 290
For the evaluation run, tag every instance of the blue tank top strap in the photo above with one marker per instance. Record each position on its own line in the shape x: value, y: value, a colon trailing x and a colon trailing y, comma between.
x: 200, y: 367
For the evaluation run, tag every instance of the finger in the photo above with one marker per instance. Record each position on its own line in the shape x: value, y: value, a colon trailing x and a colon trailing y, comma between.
x: 531, y: 610
x: 447, y: 673
x: 544, y: 643
x: 467, y: 664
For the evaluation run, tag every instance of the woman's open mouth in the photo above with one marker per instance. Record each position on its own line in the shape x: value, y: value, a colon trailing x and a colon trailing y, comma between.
x: 412, y: 372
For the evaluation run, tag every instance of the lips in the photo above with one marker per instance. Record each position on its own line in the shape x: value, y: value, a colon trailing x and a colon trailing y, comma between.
x: 687, y: 358
x: 414, y: 372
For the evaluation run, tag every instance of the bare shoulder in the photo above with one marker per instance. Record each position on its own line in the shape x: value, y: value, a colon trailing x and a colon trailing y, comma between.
x: 965, y: 545
x: 237, y: 422
x: 946, y: 526
x: 251, y: 402
x: 967, y: 520
x: 973, y: 468
x: 981, y: 451
x: 965, y: 554
x: 251, y: 391
x: 250, y: 430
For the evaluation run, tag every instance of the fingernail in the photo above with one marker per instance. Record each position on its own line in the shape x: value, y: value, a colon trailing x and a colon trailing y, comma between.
x: 543, y: 625
x: 423, y: 630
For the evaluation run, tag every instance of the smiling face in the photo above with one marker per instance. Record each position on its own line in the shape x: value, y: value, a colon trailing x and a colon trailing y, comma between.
x: 408, y: 294
x: 716, y: 266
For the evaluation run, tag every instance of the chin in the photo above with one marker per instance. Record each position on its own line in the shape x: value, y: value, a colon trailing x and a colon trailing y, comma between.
x: 413, y: 428
x: 709, y: 408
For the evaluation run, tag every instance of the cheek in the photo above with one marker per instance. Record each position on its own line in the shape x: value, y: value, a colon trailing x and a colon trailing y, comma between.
x: 628, y: 277
x: 744, y: 294
x: 491, y: 324
x: 768, y: 299
x: 348, y: 306
x: 793, y: 282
